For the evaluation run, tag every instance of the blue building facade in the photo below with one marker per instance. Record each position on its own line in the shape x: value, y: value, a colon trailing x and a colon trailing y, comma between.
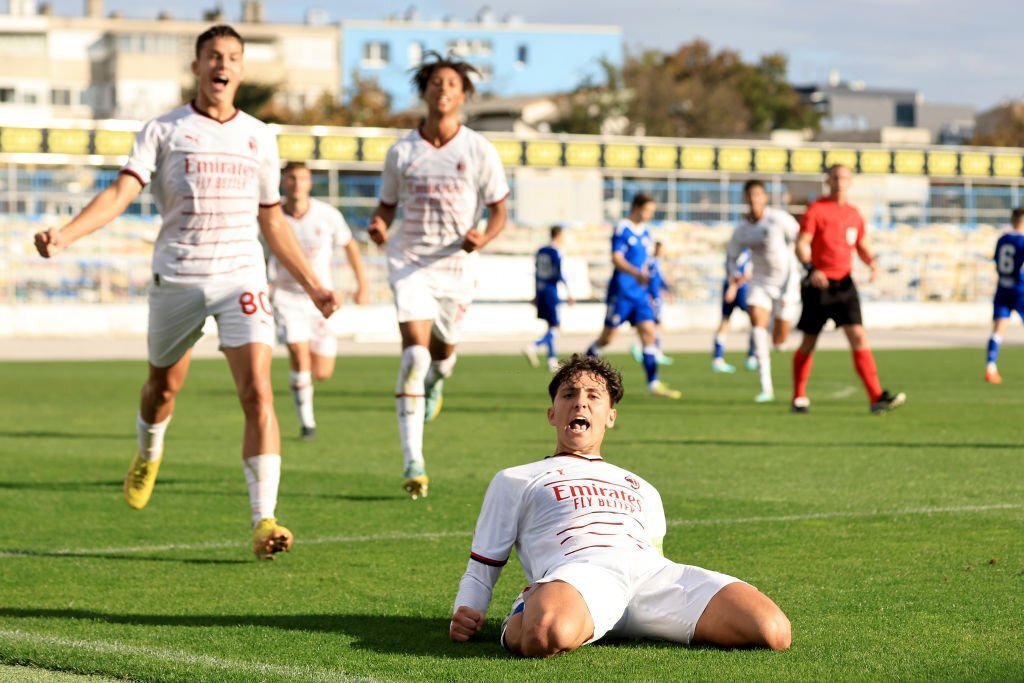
x: 514, y: 58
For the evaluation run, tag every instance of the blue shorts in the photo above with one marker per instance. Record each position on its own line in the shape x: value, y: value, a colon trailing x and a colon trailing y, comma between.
x: 547, y: 308
x: 739, y: 302
x: 1008, y: 300
x: 627, y: 310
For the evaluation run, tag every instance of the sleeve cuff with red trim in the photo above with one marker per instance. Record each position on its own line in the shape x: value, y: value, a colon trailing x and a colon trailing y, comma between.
x: 488, y: 561
x: 133, y: 174
x: 499, y: 201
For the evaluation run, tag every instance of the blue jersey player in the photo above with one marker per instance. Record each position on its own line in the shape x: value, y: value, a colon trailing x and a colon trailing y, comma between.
x: 628, y: 297
x: 734, y: 295
x: 548, y: 270
x: 657, y: 286
x: 1009, y: 296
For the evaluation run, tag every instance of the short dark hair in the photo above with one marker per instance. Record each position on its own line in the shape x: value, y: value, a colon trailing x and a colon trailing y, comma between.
x: 292, y: 165
x: 556, y: 230
x: 1017, y: 217
x: 218, y: 31
x: 432, y: 61
x: 752, y: 183
x: 640, y: 199
x: 580, y: 364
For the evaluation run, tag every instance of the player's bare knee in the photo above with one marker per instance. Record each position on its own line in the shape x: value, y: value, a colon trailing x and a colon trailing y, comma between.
x: 159, y: 391
x: 548, y: 637
x: 322, y: 375
x: 256, y: 397
x: 776, y: 631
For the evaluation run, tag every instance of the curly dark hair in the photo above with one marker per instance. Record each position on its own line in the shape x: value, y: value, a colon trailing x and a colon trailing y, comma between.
x: 218, y: 31
x: 579, y: 364
x: 432, y: 61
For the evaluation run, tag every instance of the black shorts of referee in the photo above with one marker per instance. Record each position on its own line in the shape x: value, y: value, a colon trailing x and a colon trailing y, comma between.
x: 839, y: 302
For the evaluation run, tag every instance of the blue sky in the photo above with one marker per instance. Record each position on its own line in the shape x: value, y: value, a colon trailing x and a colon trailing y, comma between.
x: 952, y: 51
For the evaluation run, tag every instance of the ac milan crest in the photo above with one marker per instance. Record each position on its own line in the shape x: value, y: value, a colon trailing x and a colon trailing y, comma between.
x: 461, y: 166
x: 633, y: 483
x: 253, y: 147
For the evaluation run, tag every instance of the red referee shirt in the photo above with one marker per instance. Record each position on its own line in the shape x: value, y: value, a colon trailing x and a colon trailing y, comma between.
x: 837, y: 229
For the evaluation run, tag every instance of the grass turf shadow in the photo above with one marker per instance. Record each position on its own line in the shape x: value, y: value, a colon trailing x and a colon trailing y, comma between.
x: 388, y: 634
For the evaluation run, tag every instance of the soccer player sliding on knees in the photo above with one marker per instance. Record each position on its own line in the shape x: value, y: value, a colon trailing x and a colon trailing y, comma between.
x: 589, y: 537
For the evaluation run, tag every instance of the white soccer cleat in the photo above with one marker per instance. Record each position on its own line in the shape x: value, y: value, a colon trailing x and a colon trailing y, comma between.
x: 751, y: 363
x: 530, y: 352
x: 719, y: 365
x: 553, y: 365
x: 764, y: 397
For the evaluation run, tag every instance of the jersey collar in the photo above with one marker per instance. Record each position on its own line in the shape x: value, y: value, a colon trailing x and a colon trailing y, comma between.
x: 581, y: 456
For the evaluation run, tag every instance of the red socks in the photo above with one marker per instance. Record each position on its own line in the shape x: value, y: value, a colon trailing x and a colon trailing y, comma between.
x: 802, y: 363
x: 864, y: 362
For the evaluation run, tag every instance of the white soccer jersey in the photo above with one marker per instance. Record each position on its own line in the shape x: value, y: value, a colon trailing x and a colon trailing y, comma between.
x: 209, y: 180
x: 771, y: 242
x: 318, y: 231
x: 561, y: 510
x: 442, y: 192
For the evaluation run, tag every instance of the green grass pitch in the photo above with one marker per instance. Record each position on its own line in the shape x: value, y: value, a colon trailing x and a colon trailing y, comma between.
x: 895, y: 544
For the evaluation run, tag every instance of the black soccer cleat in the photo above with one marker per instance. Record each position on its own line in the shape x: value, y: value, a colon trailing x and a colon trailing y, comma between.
x: 801, y: 405
x: 887, y: 402
x: 308, y: 434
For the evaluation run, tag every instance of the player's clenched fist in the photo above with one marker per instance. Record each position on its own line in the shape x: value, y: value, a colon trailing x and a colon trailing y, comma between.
x: 48, y: 242
x: 473, y: 240
x: 378, y: 230
x: 325, y: 300
x: 466, y: 623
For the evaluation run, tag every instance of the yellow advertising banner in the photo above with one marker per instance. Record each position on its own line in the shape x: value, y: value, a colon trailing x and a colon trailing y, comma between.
x: 587, y: 154
x: 698, y: 158
x: 510, y: 151
x: 805, y: 161
x: 1006, y: 165
x: 734, y: 158
x: 908, y: 162
x: 113, y: 142
x: 542, y: 153
x: 376, y: 149
x: 660, y: 156
x: 770, y: 160
x: 876, y: 161
x: 339, y: 148
x: 21, y: 140
x: 70, y: 141
x: 621, y: 156
x: 846, y: 157
x: 942, y: 163
x: 975, y: 164
x: 295, y: 147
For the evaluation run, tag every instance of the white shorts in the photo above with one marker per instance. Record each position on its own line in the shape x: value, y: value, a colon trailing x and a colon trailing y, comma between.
x: 177, y: 312
x: 782, y: 302
x: 298, y: 320
x: 441, y: 291
x: 656, y: 599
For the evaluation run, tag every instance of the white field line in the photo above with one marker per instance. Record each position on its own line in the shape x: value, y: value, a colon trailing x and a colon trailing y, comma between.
x: 424, y: 535
x: 254, y: 669
x: 844, y: 392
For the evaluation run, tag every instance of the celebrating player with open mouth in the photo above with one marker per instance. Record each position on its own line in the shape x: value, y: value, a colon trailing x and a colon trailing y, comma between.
x: 214, y: 173
x: 440, y: 175
x: 589, y: 536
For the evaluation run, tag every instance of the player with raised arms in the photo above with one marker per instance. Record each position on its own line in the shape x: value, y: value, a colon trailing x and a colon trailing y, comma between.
x: 832, y: 229
x: 547, y: 299
x: 1009, y: 295
x: 214, y: 174
x: 312, y: 347
x: 773, y: 289
x: 628, y: 299
x: 589, y: 537
x: 441, y: 175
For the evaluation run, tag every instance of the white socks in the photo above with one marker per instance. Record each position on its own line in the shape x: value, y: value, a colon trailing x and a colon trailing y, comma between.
x: 764, y: 359
x: 151, y: 438
x: 441, y: 369
x: 301, y: 384
x: 409, y: 404
x: 263, y: 475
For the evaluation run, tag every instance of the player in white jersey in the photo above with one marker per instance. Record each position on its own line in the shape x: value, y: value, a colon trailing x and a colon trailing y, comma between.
x: 773, y: 291
x: 589, y: 537
x: 312, y: 347
x: 440, y: 175
x: 214, y: 175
